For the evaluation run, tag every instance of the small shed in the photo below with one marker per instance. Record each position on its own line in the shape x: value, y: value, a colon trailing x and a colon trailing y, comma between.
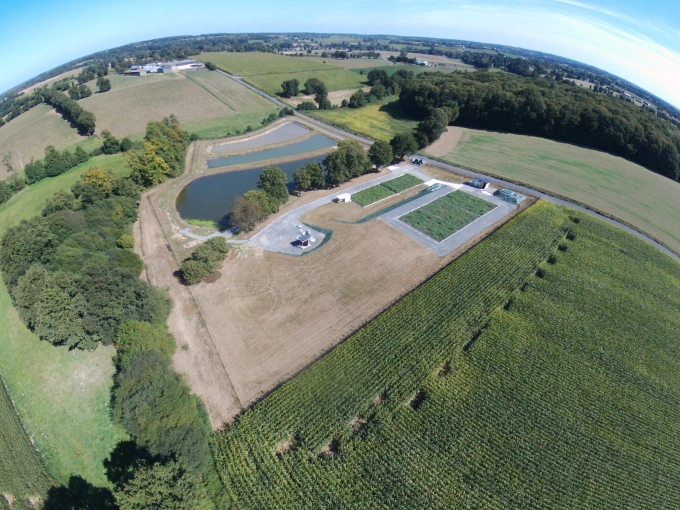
x: 305, y: 240
x: 509, y: 196
x: 344, y: 197
x: 480, y: 183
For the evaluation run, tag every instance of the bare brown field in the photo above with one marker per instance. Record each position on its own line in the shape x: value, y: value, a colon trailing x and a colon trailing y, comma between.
x: 272, y: 314
x: 27, y: 136
x: 446, y: 142
x: 335, y: 97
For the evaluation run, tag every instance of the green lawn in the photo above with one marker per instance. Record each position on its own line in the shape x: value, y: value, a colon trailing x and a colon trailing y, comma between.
x: 380, y: 120
x: 62, y: 396
x: 447, y: 215
x: 607, y: 183
x: 488, y: 387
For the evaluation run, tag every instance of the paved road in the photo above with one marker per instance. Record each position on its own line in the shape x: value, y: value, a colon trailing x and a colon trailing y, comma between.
x: 320, y: 126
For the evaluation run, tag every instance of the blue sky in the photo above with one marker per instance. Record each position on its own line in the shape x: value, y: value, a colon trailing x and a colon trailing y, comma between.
x: 637, y: 40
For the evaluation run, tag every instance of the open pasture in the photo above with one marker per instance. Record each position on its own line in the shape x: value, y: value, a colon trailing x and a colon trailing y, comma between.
x: 447, y: 215
x: 206, y: 103
x: 268, y: 70
x: 62, y: 396
x: 504, y: 381
x: 27, y: 136
x: 380, y: 120
x: 333, y: 78
x: 603, y: 182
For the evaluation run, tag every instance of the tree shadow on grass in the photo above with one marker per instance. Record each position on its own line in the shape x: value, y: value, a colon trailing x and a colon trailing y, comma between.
x: 394, y: 110
x: 79, y: 495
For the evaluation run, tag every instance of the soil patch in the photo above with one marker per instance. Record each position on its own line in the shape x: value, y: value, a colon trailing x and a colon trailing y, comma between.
x: 335, y: 97
x: 446, y: 142
x: 213, y: 277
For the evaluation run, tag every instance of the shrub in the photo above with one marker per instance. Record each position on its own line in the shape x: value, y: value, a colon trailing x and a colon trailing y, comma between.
x: 204, y: 260
x: 126, y: 242
x: 133, y: 337
x: 193, y: 271
x: 306, y: 105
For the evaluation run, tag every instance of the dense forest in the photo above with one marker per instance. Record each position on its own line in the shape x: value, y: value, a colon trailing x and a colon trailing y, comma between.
x: 542, y: 107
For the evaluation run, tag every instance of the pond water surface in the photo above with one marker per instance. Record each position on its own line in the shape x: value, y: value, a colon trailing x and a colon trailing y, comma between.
x: 314, y: 143
x: 211, y: 197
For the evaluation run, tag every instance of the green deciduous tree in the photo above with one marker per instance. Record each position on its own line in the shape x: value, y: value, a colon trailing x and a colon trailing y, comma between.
x: 274, y: 182
x: 291, y: 88
x: 403, y: 144
x: 313, y: 85
x: 110, y: 145
x: 133, y: 337
x: 104, y: 84
x: 310, y: 176
x: 381, y: 153
x: 162, y: 486
x: 146, y: 167
x: 347, y: 161
x: 158, y: 411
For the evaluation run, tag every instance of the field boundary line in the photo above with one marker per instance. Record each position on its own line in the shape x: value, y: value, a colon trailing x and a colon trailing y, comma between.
x: 210, y: 92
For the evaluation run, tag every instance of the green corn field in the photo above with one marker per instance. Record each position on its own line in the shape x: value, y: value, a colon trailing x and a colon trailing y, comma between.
x: 23, y: 476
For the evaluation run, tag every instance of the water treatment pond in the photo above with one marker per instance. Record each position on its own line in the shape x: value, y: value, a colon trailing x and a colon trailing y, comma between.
x: 210, y: 198
x: 314, y: 143
x: 281, y: 134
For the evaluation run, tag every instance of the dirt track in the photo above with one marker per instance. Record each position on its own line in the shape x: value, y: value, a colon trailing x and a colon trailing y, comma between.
x: 199, y: 361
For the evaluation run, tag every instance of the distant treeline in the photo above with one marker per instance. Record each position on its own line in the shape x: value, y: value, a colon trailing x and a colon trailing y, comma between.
x: 542, y: 107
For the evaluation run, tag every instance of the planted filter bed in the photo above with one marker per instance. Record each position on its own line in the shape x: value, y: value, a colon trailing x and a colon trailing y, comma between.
x: 447, y: 215
x: 314, y: 143
x: 210, y: 198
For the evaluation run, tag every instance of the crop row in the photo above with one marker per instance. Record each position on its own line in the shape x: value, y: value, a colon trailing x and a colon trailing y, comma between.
x: 22, y: 473
x: 287, y: 449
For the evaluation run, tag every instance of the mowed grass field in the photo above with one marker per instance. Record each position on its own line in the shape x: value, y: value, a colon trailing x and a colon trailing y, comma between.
x: 62, y: 396
x: 27, y: 136
x: 488, y: 387
x: 380, y: 120
x: 268, y: 70
x: 206, y: 103
x: 609, y: 184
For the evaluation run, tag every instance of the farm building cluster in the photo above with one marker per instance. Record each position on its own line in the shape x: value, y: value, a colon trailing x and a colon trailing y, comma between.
x: 163, y: 67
